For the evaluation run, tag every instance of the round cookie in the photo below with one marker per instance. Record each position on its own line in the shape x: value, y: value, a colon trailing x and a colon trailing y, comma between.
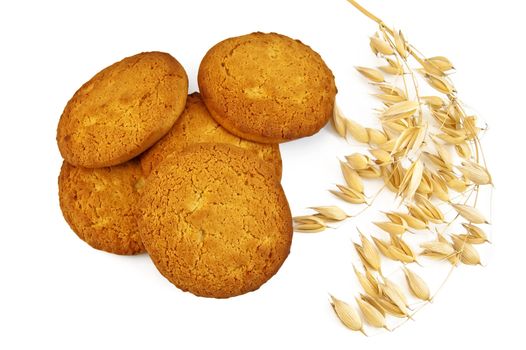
x: 267, y: 87
x: 215, y: 220
x: 100, y: 205
x: 196, y: 125
x: 122, y: 110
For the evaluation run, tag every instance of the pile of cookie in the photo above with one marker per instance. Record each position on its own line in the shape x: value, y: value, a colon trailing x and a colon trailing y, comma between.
x: 193, y: 180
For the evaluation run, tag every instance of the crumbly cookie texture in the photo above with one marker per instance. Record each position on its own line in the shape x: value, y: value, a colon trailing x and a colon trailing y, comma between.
x: 267, y: 87
x: 196, y: 125
x: 122, y: 110
x: 215, y: 220
x: 100, y: 205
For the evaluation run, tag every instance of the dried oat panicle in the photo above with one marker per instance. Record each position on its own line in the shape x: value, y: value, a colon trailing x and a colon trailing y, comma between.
x: 427, y: 151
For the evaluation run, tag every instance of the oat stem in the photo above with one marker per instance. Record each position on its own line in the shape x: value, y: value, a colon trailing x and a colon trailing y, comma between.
x: 365, y: 12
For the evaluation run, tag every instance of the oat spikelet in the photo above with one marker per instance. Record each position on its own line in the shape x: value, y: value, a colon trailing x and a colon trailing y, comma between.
x: 391, y: 227
x: 441, y: 62
x: 401, y: 44
x: 417, y: 285
x: 357, y: 132
x: 381, y: 46
x: 371, y: 315
x: 372, y: 300
x: 444, y: 154
x: 429, y: 209
x: 433, y: 101
x: 376, y: 137
x: 475, y: 173
x: 440, y: 189
x: 351, y: 177
x: 398, y: 242
x: 437, y: 249
x: 349, y: 195
x: 473, y: 215
x: 475, y: 235
x: 426, y: 184
x: 393, y: 295
x: 408, y: 219
x: 396, y: 289
x: 400, y: 110
x: 431, y: 69
x: 371, y: 74
x: 390, y: 89
x: 467, y: 253
x: 463, y: 150
x: 310, y: 228
x: 368, y: 287
x: 309, y: 219
x: 382, y: 157
x: 370, y: 172
x: 338, y: 121
x: 404, y: 140
x: 383, y: 247
x: 411, y: 180
x: 347, y: 314
x: 393, y: 67
x: 398, y: 254
x: 388, y: 307
x: 358, y: 161
x: 331, y: 212
x: 439, y: 83
x: 389, y: 99
x: 370, y: 253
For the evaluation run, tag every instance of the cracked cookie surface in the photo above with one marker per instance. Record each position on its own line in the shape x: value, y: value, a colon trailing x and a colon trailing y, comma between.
x: 100, y: 205
x: 215, y: 220
x: 196, y: 125
x: 122, y: 110
x: 267, y: 87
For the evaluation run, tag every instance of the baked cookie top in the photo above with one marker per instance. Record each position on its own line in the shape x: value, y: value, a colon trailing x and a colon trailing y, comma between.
x: 215, y: 220
x: 100, y: 205
x: 196, y: 125
x: 267, y: 87
x: 122, y: 110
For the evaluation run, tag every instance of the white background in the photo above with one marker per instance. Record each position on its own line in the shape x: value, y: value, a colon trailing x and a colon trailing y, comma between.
x: 56, y: 292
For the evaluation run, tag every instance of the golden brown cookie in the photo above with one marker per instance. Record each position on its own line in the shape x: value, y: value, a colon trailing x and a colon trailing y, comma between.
x: 196, y: 125
x: 215, y: 220
x: 267, y: 87
x: 100, y: 205
x: 122, y: 110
